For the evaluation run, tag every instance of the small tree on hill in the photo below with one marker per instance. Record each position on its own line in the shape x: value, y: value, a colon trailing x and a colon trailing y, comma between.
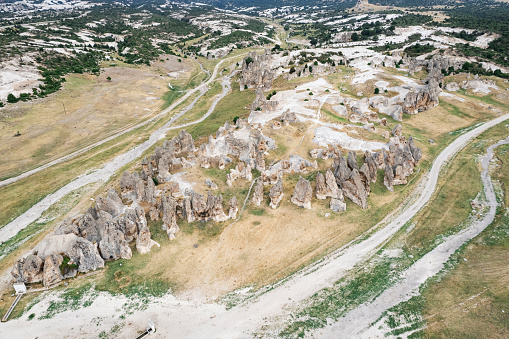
x: 11, y: 98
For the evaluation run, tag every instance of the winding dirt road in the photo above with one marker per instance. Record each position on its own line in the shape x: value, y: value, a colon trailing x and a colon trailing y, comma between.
x: 104, y: 173
x: 362, y: 321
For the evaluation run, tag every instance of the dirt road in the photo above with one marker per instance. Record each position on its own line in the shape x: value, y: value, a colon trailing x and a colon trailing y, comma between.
x: 361, y: 322
x: 104, y: 173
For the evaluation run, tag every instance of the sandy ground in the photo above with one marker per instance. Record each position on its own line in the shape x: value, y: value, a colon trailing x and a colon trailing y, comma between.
x: 185, y: 318
x: 362, y: 321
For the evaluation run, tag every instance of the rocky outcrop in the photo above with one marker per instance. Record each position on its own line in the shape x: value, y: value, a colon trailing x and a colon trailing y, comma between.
x: 385, y: 106
x: 257, y: 197
x: 111, y: 204
x: 452, y: 87
x: 28, y: 270
x: 144, y: 242
x: 403, y: 156
x: 276, y: 194
x: 326, y: 186
x: 215, y: 208
x: 169, y: 210
x: 51, y: 273
x: 233, y: 208
x: 261, y: 103
x: 424, y: 100
x: 443, y: 62
x: 240, y: 171
x: 355, y: 189
x: 113, y: 244
x: 256, y: 71
x: 85, y: 255
x: 292, y: 164
x: 337, y: 205
x: 302, y: 194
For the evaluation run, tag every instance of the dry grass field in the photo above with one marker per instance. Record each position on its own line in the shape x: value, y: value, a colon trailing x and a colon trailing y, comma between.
x: 473, y: 299
x: 86, y: 110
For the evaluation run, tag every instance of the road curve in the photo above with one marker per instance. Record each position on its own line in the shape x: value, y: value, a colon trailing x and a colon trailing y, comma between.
x: 200, y: 88
x: 240, y: 320
x: 104, y: 173
x: 361, y: 321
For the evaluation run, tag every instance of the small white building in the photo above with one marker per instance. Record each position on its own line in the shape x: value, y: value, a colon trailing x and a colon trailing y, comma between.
x: 20, y: 288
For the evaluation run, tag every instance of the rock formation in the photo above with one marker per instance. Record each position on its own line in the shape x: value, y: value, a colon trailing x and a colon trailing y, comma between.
x: 302, y: 194
x: 28, y: 270
x: 452, y: 87
x: 276, y: 194
x: 355, y: 189
x: 240, y: 171
x: 425, y: 99
x: 257, y: 197
x: 337, y: 205
x: 233, y: 208
x: 256, y: 71
x: 327, y: 186
x: 51, y: 273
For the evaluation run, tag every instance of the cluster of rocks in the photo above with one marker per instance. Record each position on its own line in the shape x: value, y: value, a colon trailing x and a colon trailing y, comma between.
x: 240, y: 171
x: 401, y: 159
x: 174, y: 155
x: 256, y: 71
x: 292, y: 164
x: 261, y: 103
x: 425, y: 99
x: 242, y: 141
x: 354, y: 181
x: 104, y: 232
x: 84, y: 242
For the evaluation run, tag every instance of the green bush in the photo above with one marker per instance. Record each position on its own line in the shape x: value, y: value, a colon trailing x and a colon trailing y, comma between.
x: 11, y: 98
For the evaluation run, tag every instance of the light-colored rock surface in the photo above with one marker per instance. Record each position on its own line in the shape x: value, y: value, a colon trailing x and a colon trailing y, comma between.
x: 276, y: 194
x: 302, y: 193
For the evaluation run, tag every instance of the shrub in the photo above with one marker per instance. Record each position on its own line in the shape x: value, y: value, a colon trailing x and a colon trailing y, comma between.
x: 11, y: 98
x: 156, y: 182
x: 377, y: 90
x: 65, y: 266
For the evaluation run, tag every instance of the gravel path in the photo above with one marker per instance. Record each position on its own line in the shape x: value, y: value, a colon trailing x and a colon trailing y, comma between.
x: 358, y: 322
x: 104, y: 173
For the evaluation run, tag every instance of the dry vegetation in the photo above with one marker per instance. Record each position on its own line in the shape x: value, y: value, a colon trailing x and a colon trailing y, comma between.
x: 88, y: 109
x: 473, y: 299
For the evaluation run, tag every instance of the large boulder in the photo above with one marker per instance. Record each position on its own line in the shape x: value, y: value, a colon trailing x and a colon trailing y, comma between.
x: 233, y: 208
x: 424, y: 100
x: 215, y: 208
x: 352, y: 161
x: 327, y: 186
x: 452, y: 87
x: 355, y: 190
x: 111, y: 204
x: 113, y: 244
x: 143, y: 242
x: 51, y: 273
x: 337, y: 205
x: 276, y: 194
x: 302, y: 194
x: 257, y: 197
x: 28, y: 270
x: 169, y: 209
